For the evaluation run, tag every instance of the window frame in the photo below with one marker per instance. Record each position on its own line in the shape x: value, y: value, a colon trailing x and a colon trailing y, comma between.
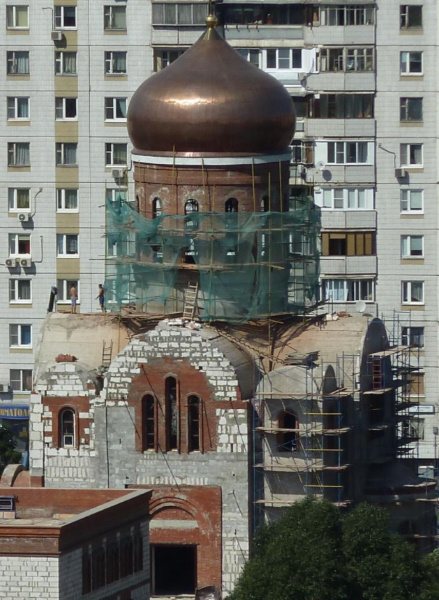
x: 109, y: 62
x: 18, y: 335
x: 407, y: 292
x: 61, y: 156
x: 339, y: 15
x: 408, y: 246
x: 63, y: 286
x: 13, y: 207
x: 12, y: 153
x: 111, y: 107
x: 59, y: 19
x: 407, y: 201
x: 338, y: 59
x: 404, y: 17
x: 406, y: 151
x: 15, y: 108
x: 149, y: 423
x: 60, y: 63
x: 356, y: 291
x: 11, y: 11
x: 60, y: 108
x: 23, y: 375
x: 405, y: 69
x: 62, y: 432
x: 341, y: 198
x: 12, y: 62
x: 110, y: 154
x: 61, y: 200
x: 109, y: 9
x: 291, y: 59
x: 194, y: 423
x: 14, y: 244
x: 404, y: 107
x: 341, y: 150
x: 62, y: 245
x: 410, y: 338
x: 14, y: 290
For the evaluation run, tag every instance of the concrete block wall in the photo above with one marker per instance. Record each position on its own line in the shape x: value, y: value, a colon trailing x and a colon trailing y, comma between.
x: 29, y: 578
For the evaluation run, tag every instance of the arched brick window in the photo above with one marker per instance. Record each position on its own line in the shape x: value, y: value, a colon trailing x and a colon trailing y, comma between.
x: 67, y: 428
x: 149, y: 422
x: 171, y: 413
x: 193, y: 423
x: 156, y: 207
x: 231, y: 205
x: 287, y: 437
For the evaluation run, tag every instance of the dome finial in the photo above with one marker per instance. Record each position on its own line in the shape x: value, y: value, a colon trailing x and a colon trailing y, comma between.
x: 211, y: 21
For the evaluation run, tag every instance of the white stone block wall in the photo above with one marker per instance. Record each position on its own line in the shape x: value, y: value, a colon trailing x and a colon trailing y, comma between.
x: 29, y: 578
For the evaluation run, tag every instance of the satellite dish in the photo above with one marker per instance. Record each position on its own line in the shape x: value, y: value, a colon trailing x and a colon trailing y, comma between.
x: 360, y: 306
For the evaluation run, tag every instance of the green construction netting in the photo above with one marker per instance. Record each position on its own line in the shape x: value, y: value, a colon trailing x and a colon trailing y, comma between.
x: 247, y: 265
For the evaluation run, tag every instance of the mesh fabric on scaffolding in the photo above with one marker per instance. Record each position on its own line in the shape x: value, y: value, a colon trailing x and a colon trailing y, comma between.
x: 247, y: 265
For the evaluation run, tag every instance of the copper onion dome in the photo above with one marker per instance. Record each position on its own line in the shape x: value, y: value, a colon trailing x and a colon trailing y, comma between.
x: 210, y: 101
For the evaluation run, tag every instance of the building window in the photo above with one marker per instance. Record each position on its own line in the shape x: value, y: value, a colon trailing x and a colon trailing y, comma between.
x: 115, y: 63
x: 193, y: 417
x: 115, y: 18
x: 171, y: 413
x: 17, y: 17
x: 67, y: 428
x: 20, y: 336
x: 156, y: 208
x: 346, y: 59
x: 411, y: 63
x: 410, y: 109
x: 19, y: 244
x: 302, y: 152
x: 67, y: 244
x: 18, y: 108
x: 20, y: 290
x: 149, y: 422
x: 115, y: 154
x: 20, y: 380
x: 410, y: 16
x: 65, y: 17
x: 347, y: 15
x: 113, y: 562
x: 66, y: 154
x: 66, y: 109
x: 359, y: 243
x: 347, y: 153
x: 342, y: 106
x: 179, y: 14
x: 64, y: 286
x: 345, y: 198
x: 17, y: 62
x: 417, y: 384
x: 412, y: 201
x: 412, y: 292
x: 252, y: 55
x: 65, y: 63
x: 411, y: 155
x: 231, y: 205
x: 115, y: 109
x: 284, y: 58
x: 287, y: 441
x: 116, y: 195
x: 412, y: 336
x: 19, y: 199
x: 165, y: 56
x: 66, y: 200
x: 412, y: 246
x: 18, y: 154
x: 348, y: 290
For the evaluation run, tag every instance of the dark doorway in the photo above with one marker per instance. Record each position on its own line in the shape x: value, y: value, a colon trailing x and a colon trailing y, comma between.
x: 173, y: 569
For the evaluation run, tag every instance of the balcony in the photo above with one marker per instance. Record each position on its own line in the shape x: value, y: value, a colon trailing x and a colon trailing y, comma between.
x: 348, y: 219
x: 336, y: 81
x: 343, y: 35
x: 254, y: 31
x: 348, y: 265
x: 340, y: 127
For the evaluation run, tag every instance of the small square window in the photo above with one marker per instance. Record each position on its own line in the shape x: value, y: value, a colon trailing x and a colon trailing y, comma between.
x: 67, y: 245
x: 18, y: 154
x: 66, y: 109
x: 410, y: 16
x: 19, y: 199
x: 411, y: 155
x: 65, y: 63
x: 19, y: 244
x: 410, y: 109
x: 115, y: 63
x: 64, y: 287
x: 17, y: 62
x: 412, y: 246
x: 20, y: 336
x: 20, y: 380
x: 411, y: 63
x: 412, y: 336
x: 412, y: 201
x: 115, y: 155
x: 20, y: 291
x: 115, y: 109
x: 67, y: 200
x: 66, y: 154
x: 412, y: 292
x: 115, y: 18
x: 18, y: 108
x: 17, y: 17
x: 65, y: 17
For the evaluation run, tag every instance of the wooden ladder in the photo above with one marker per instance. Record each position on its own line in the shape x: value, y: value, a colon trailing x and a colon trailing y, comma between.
x: 190, y: 301
x: 107, y: 353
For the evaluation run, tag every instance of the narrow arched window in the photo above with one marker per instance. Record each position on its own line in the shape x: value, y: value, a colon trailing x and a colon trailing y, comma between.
x: 287, y: 438
x: 231, y: 205
x: 148, y: 422
x: 67, y: 428
x: 265, y: 203
x: 156, y: 207
x: 193, y: 414
x: 171, y: 414
x: 190, y: 206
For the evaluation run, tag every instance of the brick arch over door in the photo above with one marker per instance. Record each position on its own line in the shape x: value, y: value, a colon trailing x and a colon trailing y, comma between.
x: 190, y: 382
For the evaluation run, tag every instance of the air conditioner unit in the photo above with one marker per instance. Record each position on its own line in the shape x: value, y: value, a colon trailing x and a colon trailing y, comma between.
x: 23, y: 217
x: 57, y: 36
x: 4, y: 388
x: 118, y: 173
x: 9, y: 262
x: 25, y: 262
x: 399, y: 173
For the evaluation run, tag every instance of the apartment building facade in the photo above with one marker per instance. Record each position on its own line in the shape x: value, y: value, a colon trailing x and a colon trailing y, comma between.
x: 362, y: 78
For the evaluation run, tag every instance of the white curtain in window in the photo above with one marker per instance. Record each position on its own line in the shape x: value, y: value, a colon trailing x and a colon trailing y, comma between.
x: 22, y: 154
x: 22, y: 62
x: 70, y: 154
x: 70, y: 63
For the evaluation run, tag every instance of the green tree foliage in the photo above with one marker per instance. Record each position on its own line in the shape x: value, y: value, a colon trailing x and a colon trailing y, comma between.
x: 8, y: 454
x: 314, y: 552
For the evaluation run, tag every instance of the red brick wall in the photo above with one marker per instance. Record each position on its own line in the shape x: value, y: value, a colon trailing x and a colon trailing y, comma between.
x: 78, y: 404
